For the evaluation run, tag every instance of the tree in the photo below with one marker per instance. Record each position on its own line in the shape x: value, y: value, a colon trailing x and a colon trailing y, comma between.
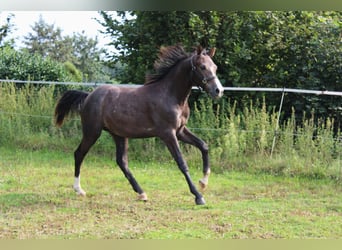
x: 137, y: 40
x: 86, y: 56
x: 79, y: 50
x: 5, y: 29
x: 46, y: 40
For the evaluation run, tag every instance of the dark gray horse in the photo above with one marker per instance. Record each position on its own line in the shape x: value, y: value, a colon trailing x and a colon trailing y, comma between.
x: 159, y: 108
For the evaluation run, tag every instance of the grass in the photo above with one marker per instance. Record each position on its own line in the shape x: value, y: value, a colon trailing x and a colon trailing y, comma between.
x: 37, y: 202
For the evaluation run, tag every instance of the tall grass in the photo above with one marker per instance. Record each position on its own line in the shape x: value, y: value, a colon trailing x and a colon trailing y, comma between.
x: 26, y: 116
x: 239, y: 138
x: 244, y: 138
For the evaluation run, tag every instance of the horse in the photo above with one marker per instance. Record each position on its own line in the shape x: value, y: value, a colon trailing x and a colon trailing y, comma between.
x: 158, y: 108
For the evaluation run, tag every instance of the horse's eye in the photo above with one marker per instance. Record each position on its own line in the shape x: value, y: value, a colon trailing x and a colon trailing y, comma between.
x: 202, y: 67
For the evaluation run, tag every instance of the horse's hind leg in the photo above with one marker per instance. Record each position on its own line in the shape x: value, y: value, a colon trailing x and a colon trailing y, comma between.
x: 122, y: 161
x: 88, y: 140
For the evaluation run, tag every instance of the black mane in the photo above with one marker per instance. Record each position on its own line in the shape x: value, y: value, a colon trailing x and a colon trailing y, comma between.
x: 167, y: 58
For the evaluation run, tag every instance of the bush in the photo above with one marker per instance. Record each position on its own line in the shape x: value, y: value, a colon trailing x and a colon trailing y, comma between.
x: 76, y: 75
x: 244, y: 140
x: 20, y: 65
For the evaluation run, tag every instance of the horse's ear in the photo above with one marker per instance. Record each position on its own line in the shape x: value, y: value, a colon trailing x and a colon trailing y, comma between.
x: 212, y: 52
x: 199, y: 49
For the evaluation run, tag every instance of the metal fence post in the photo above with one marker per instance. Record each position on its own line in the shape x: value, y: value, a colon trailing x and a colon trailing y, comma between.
x: 278, y: 120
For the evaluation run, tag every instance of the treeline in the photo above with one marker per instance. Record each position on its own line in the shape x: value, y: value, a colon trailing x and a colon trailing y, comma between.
x: 47, y: 54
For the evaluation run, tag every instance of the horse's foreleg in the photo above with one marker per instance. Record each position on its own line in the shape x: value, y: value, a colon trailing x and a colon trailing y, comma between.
x: 122, y: 161
x: 77, y: 186
x: 185, y: 135
x: 173, y: 146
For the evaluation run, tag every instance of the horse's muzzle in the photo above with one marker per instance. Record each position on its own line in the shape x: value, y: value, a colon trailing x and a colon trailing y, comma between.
x: 215, y: 90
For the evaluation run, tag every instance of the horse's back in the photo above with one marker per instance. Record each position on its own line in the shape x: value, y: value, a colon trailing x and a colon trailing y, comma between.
x: 122, y: 111
x: 104, y: 94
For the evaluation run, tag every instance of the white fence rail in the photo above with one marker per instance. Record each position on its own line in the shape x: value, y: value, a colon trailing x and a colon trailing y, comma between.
x: 286, y: 90
x: 243, y: 89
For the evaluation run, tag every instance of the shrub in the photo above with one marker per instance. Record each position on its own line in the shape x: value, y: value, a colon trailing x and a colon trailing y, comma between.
x: 76, y: 75
x: 20, y: 65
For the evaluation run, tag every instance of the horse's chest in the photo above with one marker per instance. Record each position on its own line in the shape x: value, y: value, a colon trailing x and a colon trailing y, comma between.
x: 182, y: 116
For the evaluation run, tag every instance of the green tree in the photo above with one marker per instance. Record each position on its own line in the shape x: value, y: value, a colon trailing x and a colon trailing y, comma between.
x: 86, y: 56
x: 47, y: 40
x: 83, y: 52
x: 136, y: 40
x: 6, y: 29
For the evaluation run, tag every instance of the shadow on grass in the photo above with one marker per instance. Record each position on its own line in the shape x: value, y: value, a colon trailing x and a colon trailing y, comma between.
x: 18, y: 200
x: 25, y: 200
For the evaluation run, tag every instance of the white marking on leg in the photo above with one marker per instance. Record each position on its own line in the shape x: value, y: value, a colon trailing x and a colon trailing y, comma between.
x: 204, y: 181
x: 142, y: 197
x: 77, y: 186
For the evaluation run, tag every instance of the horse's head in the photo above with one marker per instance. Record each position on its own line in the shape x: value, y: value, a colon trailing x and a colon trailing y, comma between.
x: 204, y: 72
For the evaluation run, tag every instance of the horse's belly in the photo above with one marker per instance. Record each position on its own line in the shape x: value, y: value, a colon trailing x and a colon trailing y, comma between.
x: 128, y: 124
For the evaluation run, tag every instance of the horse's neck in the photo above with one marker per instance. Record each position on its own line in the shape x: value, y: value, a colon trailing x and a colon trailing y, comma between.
x: 179, y: 81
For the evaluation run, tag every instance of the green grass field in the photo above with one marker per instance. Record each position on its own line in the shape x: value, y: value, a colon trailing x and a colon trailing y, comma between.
x: 37, y: 202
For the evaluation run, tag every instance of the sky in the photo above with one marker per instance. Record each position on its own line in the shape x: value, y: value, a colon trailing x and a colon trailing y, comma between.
x: 68, y: 21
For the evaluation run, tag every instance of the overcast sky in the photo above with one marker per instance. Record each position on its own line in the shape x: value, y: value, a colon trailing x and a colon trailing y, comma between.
x: 68, y: 21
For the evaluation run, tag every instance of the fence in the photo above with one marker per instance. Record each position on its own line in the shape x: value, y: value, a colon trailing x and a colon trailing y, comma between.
x: 273, y: 130
x: 248, y: 89
x: 245, y: 89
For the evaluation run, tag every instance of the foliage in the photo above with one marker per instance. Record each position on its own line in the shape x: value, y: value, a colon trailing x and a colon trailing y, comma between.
x: 296, y: 49
x: 46, y: 40
x: 87, y: 57
x: 83, y: 52
x: 73, y: 71
x: 5, y: 29
x: 24, y: 66
x: 242, y: 139
x: 137, y: 40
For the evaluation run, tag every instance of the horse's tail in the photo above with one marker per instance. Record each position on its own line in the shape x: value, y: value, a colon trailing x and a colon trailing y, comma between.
x: 71, y: 101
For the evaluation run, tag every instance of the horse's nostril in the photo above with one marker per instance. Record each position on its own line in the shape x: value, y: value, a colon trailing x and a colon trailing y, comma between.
x: 217, y: 91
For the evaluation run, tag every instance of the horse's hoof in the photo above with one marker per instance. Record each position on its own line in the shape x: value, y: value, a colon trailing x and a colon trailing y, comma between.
x: 142, y: 197
x: 200, y: 201
x: 83, y: 194
x: 202, y: 185
x: 80, y: 192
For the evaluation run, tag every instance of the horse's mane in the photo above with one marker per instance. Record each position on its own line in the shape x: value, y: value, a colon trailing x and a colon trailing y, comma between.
x: 167, y: 58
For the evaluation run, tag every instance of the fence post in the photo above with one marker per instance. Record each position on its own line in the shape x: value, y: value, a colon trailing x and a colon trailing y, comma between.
x: 278, y: 120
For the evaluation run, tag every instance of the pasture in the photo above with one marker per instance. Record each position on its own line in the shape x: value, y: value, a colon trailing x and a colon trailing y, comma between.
x: 37, y: 202
x: 296, y: 193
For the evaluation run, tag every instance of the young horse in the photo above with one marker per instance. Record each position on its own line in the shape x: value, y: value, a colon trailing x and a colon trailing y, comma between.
x: 159, y: 108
